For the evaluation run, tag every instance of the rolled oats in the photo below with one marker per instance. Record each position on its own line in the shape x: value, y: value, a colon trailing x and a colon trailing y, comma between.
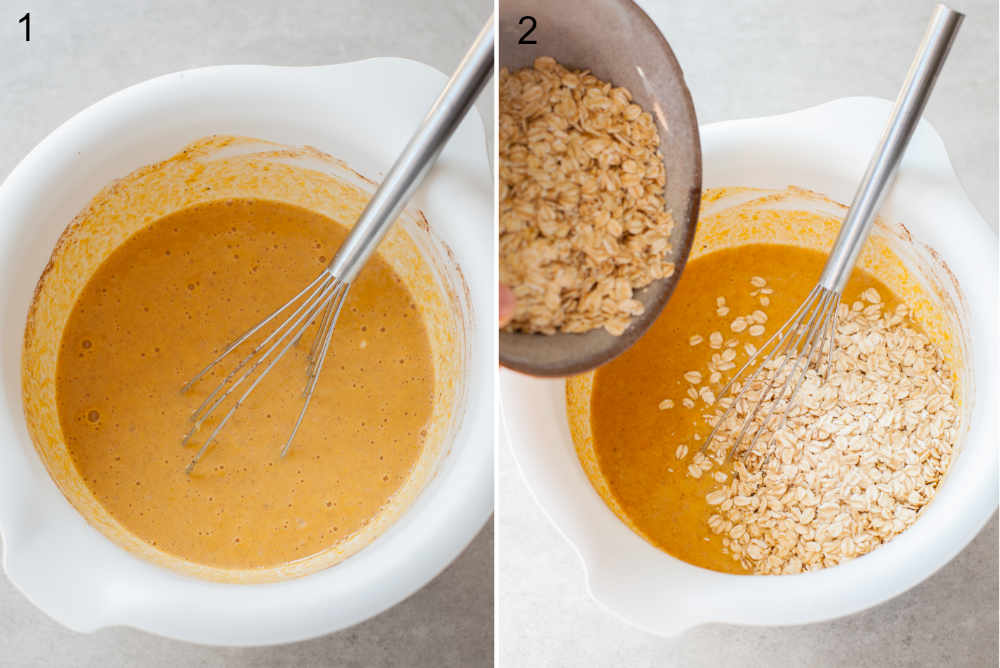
x: 583, y: 221
x: 858, y: 458
x: 693, y: 377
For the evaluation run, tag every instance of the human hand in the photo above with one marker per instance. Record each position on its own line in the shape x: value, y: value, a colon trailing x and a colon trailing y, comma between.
x: 506, y: 305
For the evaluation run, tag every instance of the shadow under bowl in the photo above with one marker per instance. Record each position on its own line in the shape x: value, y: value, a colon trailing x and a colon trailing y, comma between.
x: 619, y: 43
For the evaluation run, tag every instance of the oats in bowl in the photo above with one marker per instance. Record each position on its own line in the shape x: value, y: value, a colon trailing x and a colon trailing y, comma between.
x: 861, y: 454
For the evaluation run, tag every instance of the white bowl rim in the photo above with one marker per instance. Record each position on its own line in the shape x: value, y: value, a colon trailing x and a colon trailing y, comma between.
x: 77, y: 576
x: 682, y: 596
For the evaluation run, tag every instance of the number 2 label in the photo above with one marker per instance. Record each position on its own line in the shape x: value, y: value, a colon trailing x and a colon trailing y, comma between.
x: 534, y: 24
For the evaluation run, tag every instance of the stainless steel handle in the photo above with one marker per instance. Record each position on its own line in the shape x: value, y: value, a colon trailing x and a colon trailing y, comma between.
x: 904, y: 119
x: 417, y: 158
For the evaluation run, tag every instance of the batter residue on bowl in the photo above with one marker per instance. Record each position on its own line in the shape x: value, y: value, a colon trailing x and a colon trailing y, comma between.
x: 849, y: 479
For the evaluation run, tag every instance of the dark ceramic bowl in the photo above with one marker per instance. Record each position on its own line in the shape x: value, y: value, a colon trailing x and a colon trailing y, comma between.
x: 616, y: 41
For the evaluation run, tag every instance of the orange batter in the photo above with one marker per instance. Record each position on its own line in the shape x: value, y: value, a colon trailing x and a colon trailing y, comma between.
x: 160, y: 307
x: 635, y: 442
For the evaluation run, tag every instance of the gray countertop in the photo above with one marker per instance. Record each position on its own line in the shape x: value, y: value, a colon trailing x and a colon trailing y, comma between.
x: 83, y: 50
x: 746, y: 59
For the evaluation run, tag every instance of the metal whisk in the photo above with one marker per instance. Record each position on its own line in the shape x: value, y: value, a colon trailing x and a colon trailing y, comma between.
x: 807, y: 338
x: 324, y: 297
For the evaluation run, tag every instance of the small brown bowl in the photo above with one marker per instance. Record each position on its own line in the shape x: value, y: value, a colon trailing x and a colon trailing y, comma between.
x: 619, y: 43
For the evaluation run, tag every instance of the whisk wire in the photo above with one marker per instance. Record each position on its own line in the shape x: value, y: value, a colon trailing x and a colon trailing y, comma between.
x: 787, y: 346
x: 317, y: 341
x: 207, y: 406
x: 325, y: 334
x: 825, y: 338
x: 250, y: 332
x: 813, y: 342
x: 214, y: 400
x: 306, y: 316
x: 795, y: 346
x: 314, y: 361
x: 829, y: 337
x: 779, y: 337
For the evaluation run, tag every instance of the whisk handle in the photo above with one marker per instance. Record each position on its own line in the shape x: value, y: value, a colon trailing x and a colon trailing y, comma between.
x: 415, y: 161
x: 905, y: 116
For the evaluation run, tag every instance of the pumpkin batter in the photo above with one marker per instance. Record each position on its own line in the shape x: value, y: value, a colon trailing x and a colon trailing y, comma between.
x: 160, y: 307
x: 635, y: 442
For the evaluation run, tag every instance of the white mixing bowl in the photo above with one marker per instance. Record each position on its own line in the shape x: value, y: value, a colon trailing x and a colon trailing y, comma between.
x: 362, y: 113
x: 825, y: 149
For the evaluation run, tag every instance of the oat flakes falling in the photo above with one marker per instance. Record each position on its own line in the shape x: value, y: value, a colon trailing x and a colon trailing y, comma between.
x: 583, y: 221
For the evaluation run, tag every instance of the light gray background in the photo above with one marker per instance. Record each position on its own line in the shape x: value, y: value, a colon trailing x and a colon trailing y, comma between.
x: 745, y: 59
x: 81, y: 51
